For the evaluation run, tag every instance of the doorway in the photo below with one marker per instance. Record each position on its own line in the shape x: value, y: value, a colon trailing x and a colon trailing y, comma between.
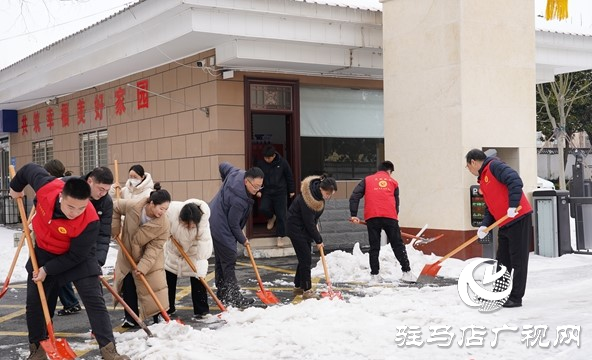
x: 271, y: 114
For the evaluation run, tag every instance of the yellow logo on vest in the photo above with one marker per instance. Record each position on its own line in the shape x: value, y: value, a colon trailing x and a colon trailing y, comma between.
x: 382, y: 183
x: 62, y: 230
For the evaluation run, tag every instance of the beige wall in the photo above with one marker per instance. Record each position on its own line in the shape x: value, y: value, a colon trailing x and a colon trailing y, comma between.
x: 458, y: 75
x: 172, y: 139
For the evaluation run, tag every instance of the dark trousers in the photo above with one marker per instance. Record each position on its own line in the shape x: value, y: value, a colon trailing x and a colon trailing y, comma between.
x: 130, y: 296
x: 512, y: 252
x: 67, y: 296
x: 199, y: 294
x: 393, y: 234
x: 302, y: 248
x: 91, y: 294
x: 275, y: 204
x: 226, y: 281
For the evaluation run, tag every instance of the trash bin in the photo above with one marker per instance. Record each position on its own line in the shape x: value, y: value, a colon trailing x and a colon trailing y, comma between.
x: 552, y: 235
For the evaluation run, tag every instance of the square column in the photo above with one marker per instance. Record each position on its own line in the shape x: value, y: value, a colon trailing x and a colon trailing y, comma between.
x: 457, y: 75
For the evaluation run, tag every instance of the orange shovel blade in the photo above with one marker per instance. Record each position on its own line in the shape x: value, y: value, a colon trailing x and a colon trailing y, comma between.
x: 60, y: 350
x: 267, y: 297
x: 428, y: 273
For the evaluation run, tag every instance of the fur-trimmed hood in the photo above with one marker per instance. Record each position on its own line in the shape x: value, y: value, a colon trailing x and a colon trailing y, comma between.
x: 307, y: 187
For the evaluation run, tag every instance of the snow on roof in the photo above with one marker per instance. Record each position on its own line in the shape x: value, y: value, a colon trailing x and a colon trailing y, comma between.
x: 372, y: 5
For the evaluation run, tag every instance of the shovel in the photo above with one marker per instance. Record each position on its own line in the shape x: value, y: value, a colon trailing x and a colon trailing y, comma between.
x: 420, y: 240
x: 330, y: 294
x: 56, y: 349
x: 163, y: 312
x: 430, y: 270
x: 15, y: 259
x: 126, y: 306
x: 266, y: 296
x: 194, y: 269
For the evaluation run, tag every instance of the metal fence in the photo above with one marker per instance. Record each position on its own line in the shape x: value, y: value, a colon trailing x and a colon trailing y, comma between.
x: 9, y: 213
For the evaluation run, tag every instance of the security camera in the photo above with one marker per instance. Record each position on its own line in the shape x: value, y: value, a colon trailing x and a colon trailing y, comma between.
x: 201, y: 63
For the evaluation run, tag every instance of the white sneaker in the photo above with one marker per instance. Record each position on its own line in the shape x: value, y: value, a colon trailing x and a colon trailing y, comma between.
x: 271, y: 223
x: 375, y: 279
x: 408, y: 276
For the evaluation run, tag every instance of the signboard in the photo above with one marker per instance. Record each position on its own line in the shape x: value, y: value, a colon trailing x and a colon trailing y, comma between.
x: 478, y: 212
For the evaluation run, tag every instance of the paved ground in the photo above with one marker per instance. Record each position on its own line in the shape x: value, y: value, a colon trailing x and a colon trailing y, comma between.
x: 277, y: 274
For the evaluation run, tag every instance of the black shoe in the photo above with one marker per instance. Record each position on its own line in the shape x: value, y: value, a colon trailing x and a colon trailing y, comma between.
x: 129, y: 324
x: 199, y: 316
x: 171, y: 312
x: 511, y: 304
x: 69, y: 310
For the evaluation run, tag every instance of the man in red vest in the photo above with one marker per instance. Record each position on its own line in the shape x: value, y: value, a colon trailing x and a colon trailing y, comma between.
x: 501, y: 187
x: 381, y: 210
x: 66, y: 228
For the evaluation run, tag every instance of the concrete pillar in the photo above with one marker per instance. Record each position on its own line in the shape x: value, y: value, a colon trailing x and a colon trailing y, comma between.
x: 457, y: 75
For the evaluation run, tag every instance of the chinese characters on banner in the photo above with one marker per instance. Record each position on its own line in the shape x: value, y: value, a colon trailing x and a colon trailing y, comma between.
x: 142, y: 101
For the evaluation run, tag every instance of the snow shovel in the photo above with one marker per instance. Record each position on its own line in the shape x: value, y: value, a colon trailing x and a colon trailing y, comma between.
x: 126, y: 306
x: 420, y: 240
x: 15, y: 259
x: 266, y: 296
x: 194, y: 269
x: 56, y: 349
x: 430, y: 270
x: 330, y: 294
x: 163, y: 312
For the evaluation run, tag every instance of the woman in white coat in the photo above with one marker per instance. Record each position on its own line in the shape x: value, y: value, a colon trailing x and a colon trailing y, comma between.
x: 139, y: 185
x: 190, y: 226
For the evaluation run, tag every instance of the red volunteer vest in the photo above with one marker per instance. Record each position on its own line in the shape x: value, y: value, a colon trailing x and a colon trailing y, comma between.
x: 54, y: 235
x: 496, y: 196
x: 380, y: 196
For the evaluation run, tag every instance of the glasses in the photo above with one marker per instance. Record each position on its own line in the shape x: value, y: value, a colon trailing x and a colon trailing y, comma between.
x: 256, y: 187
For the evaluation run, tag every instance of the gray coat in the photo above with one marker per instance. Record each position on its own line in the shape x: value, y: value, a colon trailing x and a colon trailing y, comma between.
x: 230, y: 208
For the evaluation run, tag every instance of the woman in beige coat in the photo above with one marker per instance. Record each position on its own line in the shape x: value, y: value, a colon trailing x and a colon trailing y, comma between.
x: 190, y: 227
x: 145, y: 231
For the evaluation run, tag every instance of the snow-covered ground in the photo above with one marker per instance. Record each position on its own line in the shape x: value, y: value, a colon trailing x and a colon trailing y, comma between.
x: 385, y: 321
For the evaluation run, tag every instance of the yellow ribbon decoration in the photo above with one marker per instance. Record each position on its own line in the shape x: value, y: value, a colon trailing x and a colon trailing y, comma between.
x: 556, y: 9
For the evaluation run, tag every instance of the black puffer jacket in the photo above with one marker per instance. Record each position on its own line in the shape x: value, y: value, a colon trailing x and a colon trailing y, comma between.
x: 305, y: 211
x: 278, y: 176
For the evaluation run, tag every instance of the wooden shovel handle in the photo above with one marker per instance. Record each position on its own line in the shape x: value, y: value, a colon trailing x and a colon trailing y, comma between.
x: 474, y: 238
x: 248, y: 247
x: 126, y: 306
x: 143, y: 279
x: 40, y: 288
x: 194, y: 269
x: 117, y: 189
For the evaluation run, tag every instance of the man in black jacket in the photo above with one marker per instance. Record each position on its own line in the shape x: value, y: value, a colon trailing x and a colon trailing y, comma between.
x: 66, y: 227
x: 278, y: 185
x: 100, y: 181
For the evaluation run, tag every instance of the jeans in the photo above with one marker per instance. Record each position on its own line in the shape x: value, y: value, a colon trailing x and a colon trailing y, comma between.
x: 67, y: 296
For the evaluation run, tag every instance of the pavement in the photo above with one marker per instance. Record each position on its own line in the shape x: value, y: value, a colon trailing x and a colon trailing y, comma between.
x: 276, y: 273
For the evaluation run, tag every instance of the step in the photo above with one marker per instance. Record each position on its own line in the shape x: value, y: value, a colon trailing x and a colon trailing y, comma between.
x: 270, y: 247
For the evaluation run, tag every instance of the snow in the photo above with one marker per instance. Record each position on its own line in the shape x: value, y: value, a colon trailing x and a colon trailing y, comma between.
x: 370, y: 324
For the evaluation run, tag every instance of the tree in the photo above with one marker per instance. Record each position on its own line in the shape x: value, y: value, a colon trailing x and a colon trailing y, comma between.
x: 563, y: 108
